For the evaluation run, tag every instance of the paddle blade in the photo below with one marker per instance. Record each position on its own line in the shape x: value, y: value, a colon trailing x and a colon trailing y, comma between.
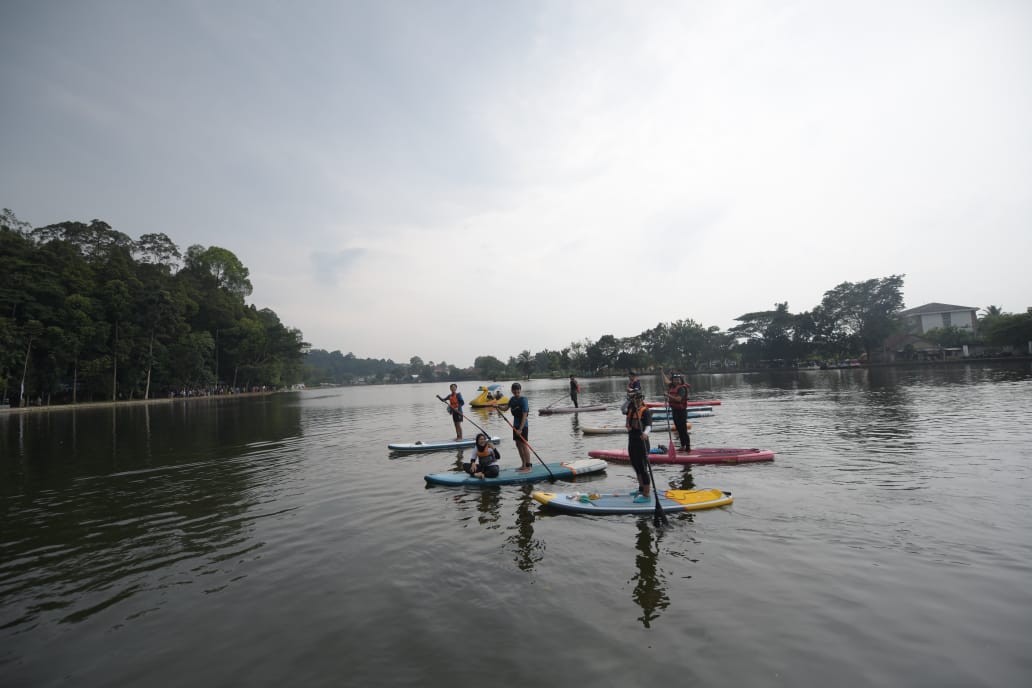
x: 659, y: 518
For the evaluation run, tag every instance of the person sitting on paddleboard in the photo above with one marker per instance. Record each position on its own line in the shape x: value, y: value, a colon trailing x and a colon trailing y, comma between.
x: 484, y: 461
x: 455, y: 404
x: 639, y: 423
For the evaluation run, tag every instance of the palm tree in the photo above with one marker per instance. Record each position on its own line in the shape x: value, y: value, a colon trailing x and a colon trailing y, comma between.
x: 991, y: 311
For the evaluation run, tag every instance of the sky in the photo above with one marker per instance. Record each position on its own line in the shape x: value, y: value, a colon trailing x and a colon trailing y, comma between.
x: 456, y: 178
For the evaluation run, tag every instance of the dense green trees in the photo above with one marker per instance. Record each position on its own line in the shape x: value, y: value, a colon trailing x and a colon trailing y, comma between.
x: 852, y: 319
x: 87, y: 314
x: 1007, y: 329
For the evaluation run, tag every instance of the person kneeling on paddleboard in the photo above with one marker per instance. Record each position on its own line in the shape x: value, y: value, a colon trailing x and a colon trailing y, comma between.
x: 639, y: 423
x: 484, y: 461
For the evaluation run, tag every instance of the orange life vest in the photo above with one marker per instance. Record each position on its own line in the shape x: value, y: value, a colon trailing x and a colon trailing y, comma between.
x: 634, y: 416
x: 681, y: 403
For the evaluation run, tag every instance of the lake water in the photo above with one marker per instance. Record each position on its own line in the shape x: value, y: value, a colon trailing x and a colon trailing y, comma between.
x: 274, y: 541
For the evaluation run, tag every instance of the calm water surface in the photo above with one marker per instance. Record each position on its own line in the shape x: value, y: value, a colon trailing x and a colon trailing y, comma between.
x: 275, y: 541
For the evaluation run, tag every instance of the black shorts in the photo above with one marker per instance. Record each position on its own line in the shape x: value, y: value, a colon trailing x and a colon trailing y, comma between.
x: 488, y: 471
x: 516, y: 434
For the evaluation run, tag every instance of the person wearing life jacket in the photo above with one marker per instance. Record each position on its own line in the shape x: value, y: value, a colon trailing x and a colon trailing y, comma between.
x: 639, y: 423
x: 455, y: 404
x: 633, y: 385
x: 677, y: 397
x: 483, y: 463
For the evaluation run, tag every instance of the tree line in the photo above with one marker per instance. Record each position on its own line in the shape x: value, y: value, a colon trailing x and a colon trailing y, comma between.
x: 853, y: 320
x: 89, y: 314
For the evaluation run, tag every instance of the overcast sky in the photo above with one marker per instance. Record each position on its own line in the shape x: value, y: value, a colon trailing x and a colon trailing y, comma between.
x: 455, y: 178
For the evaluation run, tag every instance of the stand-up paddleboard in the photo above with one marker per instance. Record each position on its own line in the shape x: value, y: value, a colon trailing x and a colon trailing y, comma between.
x: 700, y: 402
x: 617, y: 503
x: 664, y: 415
x: 571, y: 409
x: 421, y: 446
x: 696, y: 455
x: 507, y: 476
x: 622, y: 430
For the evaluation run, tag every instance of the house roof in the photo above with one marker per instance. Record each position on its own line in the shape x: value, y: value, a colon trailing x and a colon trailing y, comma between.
x: 930, y: 308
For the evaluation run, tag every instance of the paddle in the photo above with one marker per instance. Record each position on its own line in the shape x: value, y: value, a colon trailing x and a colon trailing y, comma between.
x: 671, y: 452
x: 524, y: 440
x: 659, y: 517
x: 557, y: 401
x: 472, y: 422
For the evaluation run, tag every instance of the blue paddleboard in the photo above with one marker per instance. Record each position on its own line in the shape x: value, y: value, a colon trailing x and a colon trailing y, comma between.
x: 507, y: 476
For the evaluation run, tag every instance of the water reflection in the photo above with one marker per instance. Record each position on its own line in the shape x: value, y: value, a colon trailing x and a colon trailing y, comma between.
x: 112, y: 509
x: 649, y: 591
x: 527, y: 551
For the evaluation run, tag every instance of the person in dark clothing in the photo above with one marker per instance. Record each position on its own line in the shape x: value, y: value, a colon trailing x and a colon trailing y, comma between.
x: 574, y: 390
x: 520, y: 408
x: 639, y: 423
x: 633, y: 385
x: 677, y: 397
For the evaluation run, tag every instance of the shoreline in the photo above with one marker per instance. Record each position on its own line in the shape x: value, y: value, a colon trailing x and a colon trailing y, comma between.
x: 732, y: 371
x: 130, y: 402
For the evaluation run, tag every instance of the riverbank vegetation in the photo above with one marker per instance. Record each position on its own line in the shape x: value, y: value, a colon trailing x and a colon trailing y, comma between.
x: 852, y: 322
x: 89, y: 314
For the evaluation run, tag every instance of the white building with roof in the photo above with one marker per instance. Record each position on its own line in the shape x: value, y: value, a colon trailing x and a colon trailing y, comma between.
x: 932, y: 315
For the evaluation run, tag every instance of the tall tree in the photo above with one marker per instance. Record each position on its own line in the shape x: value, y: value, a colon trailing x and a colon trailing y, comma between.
x: 865, y: 313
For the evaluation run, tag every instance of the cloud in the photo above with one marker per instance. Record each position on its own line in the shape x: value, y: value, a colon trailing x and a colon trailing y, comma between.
x: 453, y: 180
x: 328, y: 268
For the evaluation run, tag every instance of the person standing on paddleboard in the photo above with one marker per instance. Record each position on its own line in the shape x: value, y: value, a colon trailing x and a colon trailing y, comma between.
x: 677, y: 397
x: 520, y: 407
x: 455, y: 404
x: 639, y: 423
x: 633, y: 385
x: 574, y: 390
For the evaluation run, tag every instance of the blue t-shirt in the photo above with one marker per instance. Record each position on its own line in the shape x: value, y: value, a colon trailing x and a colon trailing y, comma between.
x: 520, y: 407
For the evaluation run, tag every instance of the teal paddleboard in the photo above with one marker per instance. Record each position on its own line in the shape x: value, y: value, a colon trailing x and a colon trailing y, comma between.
x: 507, y: 476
